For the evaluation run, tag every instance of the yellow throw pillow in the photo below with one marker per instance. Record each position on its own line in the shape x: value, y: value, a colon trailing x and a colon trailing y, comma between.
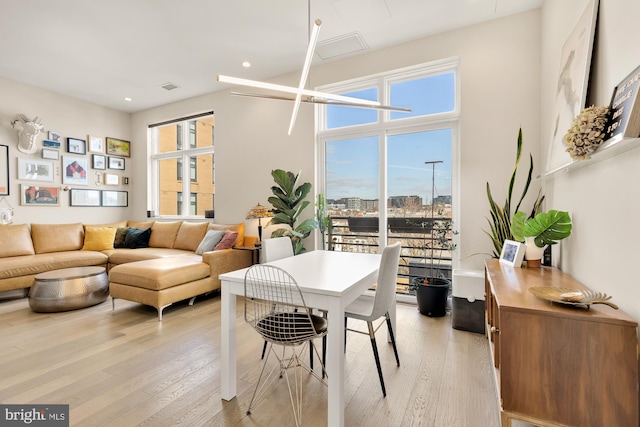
x: 98, y: 238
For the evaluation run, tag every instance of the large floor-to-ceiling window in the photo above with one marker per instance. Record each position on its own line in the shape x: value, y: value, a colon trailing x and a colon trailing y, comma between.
x: 182, y: 166
x: 390, y: 176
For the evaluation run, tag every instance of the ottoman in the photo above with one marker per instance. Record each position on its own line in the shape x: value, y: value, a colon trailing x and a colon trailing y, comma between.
x: 160, y: 282
x: 68, y: 289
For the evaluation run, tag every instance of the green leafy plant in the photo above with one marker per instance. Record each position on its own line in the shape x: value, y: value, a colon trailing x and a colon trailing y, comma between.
x: 441, y: 233
x: 500, y: 222
x: 324, y: 222
x: 288, y: 203
x: 547, y: 227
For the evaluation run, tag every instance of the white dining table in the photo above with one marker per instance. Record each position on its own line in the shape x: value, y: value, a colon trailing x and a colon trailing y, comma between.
x: 329, y: 280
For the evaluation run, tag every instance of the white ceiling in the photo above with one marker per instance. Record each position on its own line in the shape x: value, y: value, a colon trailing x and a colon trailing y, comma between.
x: 104, y: 50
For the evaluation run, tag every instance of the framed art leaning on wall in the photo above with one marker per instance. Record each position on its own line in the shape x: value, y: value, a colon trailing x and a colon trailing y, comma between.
x: 4, y: 170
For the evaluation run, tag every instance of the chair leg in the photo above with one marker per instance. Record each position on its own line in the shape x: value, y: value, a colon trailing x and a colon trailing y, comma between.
x: 393, y: 339
x: 264, y: 348
x: 311, y: 355
x: 372, y: 334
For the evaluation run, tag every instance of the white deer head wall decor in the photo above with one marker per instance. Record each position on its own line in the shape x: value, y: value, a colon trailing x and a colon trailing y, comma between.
x: 28, y: 130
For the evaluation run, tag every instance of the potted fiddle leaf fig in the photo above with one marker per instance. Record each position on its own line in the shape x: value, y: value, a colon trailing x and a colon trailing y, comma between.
x: 546, y: 228
x: 288, y: 203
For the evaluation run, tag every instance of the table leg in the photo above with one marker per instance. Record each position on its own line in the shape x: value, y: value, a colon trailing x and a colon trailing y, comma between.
x: 229, y: 344
x: 335, y: 365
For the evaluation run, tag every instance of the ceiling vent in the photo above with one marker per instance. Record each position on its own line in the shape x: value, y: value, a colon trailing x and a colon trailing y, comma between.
x: 169, y: 86
x: 347, y: 44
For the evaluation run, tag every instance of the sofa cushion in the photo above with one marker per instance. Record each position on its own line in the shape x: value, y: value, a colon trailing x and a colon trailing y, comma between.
x: 27, y: 265
x: 111, y: 224
x: 190, y: 235
x: 57, y: 237
x: 227, y: 240
x: 137, y: 238
x: 210, y: 241
x: 126, y: 255
x: 118, y: 239
x: 157, y: 274
x: 98, y: 238
x: 140, y: 224
x: 16, y: 240
x: 239, y: 228
x: 163, y: 234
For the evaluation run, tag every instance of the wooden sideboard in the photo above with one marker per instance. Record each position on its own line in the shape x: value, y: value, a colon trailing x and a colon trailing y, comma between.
x: 559, y: 365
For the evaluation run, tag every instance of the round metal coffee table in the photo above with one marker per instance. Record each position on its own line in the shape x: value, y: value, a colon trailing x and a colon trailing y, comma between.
x: 68, y: 289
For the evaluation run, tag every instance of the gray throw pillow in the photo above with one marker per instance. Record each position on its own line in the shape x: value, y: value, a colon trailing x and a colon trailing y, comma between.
x: 209, y: 241
x: 121, y: 234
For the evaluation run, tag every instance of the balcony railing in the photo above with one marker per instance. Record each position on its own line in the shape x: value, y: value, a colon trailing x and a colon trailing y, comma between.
x: 426, y: 243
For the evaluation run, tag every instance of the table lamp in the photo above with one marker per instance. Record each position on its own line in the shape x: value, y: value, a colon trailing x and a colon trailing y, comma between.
x: 259, y: 211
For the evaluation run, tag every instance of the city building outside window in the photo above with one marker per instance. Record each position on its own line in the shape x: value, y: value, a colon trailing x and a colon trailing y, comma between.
x: 171, y: 160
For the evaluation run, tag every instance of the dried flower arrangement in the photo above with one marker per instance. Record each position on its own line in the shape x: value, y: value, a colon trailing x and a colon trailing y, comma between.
x: 587, y: 132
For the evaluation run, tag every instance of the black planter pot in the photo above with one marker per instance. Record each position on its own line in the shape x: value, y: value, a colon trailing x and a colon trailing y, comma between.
x: 432, y: 298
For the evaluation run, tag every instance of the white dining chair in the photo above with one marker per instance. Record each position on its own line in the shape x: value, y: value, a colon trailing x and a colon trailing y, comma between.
x: 276, y: 248
x: 372, y: 307
x: 274, y: 306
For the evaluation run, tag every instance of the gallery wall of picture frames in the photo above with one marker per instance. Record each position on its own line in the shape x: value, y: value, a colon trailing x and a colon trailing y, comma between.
x: 69, y: 161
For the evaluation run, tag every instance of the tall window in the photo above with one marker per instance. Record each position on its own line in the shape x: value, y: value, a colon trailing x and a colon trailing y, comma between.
x: 389, y: 176
x: 172, y: 160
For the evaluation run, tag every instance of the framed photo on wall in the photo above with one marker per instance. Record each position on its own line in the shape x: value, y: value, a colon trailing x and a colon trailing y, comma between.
x: 35, y: 170
x: 116, y: 163
x: 4, y: 170
x: 76, y: 146
x: 512, y: 253
x: 48, y: 153
x: 96, y: 144
x: 118, y: 147
x: 111, y: 179
x: 98, y: 161
x: 81, y: 197
x: 39, y: 195
x: 74, y: 170
x: 115, y: 198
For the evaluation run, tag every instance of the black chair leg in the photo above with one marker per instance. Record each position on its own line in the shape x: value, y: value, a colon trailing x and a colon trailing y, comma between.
x: 311, y: 355
x: 264, y: 349
x: 393, y: 339
x: 377, y: 357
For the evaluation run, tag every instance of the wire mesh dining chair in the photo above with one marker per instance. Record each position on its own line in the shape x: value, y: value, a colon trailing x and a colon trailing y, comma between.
x: 275, y: 308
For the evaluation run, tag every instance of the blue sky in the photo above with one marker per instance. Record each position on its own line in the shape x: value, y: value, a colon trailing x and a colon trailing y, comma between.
x: 352, y: 164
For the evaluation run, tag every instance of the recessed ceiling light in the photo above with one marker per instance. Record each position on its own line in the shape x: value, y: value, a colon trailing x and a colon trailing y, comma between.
x: 246, y: 64
x: 128, y: 99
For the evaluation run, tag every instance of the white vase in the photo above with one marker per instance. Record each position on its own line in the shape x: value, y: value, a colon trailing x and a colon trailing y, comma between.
x: 533, y: 252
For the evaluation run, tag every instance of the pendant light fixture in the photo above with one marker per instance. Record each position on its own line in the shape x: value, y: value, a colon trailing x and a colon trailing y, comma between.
x: 302, y: 94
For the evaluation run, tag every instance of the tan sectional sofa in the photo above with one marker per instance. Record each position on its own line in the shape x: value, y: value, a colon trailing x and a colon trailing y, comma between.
x: 28, y: 250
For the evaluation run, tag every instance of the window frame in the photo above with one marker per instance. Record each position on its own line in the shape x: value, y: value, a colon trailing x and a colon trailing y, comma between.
x: 386, y: 127
x: 185, y: 155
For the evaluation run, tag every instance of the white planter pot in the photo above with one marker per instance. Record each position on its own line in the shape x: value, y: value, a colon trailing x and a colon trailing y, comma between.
x: 532, y: 252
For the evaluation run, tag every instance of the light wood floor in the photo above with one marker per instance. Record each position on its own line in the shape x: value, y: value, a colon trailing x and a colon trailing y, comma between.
x: 127, y: 369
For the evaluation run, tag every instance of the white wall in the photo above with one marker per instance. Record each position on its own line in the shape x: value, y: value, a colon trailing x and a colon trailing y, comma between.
x: 601, y: 197
x: 500, y: 86
x: 71, y: 118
